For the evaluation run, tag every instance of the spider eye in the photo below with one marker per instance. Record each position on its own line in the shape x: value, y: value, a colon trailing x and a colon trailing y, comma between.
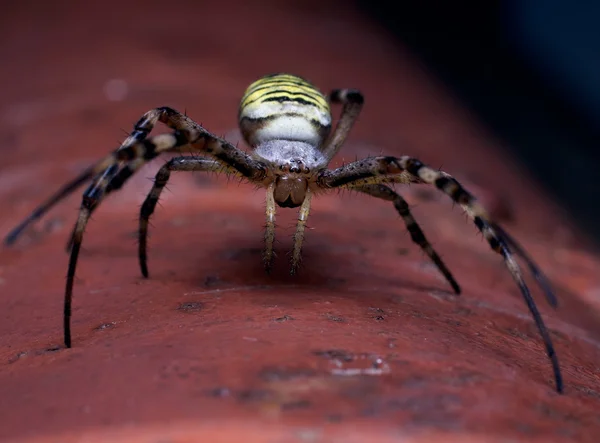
x: 307, y: 170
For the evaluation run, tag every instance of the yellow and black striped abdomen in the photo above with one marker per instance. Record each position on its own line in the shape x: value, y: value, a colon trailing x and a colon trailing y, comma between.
x: 284, y: 107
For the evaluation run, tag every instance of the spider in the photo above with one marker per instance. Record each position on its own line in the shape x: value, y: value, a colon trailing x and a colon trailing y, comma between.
x: 287, y: 122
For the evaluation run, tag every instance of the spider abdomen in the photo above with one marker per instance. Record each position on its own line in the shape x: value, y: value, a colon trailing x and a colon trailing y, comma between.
x: 284, y: 107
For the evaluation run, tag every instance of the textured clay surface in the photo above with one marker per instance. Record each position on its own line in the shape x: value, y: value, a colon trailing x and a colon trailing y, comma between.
x: 366, y: 344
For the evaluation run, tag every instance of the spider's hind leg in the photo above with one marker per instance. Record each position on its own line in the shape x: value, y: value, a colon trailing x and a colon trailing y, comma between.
x: 352, y: 101
x: 386, y: 193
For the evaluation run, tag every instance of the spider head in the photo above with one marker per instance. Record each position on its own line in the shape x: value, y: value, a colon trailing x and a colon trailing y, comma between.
x: 291, y: 182
x: 292, y: 164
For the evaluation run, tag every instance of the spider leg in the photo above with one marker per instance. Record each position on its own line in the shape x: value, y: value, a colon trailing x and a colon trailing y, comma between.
x: 299, y: 235
x: 352, y: 101
x: 115, y: 182
x: 162, y: 177
x: 386, y: 193
x: 533, y: 267
x: 378, y: 169
x: 268, y: 254
x: 140, y: 131
x: 138, y: 153
x: 111, y: 172
x: 45, y: 206
x: 91, y: 198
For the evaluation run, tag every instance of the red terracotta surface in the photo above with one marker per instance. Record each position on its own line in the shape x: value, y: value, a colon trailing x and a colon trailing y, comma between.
x: 366, y: 344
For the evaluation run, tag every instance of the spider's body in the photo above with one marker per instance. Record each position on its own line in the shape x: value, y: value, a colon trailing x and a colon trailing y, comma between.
x: 287, y: 122
x: 284, y: 107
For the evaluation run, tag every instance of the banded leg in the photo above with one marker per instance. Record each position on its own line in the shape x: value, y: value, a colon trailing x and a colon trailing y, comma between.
x: 533, y: 268
x: 142, y: 128
x: 385, y: 193
x: 91, y: 199
x: 140, y: 131
x: 268, y: 254
x: 115, y: 182
x: 162, y: 177
x: 352, y: 101
x: 378, y: 169
x: 299, y: 235
x: 111, y: 179
x: 112, y: 171
x: 137, y: 154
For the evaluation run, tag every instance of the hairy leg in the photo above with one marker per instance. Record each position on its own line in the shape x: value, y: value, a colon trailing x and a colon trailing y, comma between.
x: 162, y: 177
x: 91, y: 198
x: 352, y: 101
x: 111, y: 172
x: 268, y: 254
x: 385, y: 193
x: 379, y: 170
x: 299, y: 235
x: 140, y: 131
x: 376, y: 170
x: 115, y: 182
x: 533, y: 268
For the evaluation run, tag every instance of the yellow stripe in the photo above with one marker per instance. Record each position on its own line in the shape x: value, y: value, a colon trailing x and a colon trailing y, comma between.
x: 284, y: 86
x: 291, y: 94
x: 279, y: 79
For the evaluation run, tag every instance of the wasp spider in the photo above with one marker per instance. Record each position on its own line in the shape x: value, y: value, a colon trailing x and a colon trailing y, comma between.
x: 287, y: 122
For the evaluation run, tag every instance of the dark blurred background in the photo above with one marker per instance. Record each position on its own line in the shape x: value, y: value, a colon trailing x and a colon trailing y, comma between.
x: 530, y: 69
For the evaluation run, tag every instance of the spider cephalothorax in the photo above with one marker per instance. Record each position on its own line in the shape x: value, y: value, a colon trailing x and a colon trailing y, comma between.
x: 287, y: 122
x: 294, y: 165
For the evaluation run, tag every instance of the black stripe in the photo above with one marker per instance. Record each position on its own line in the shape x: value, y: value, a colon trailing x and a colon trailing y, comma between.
x: 479, y: 223
x: 117, y: 181
x: 182, y: 137
x: 414, y: 166
x: 138, y: 127
x: 354, y: 96
x: 441, y: 182
x: 274, y: 84
x: 149, y: 150
x: 285, y: 99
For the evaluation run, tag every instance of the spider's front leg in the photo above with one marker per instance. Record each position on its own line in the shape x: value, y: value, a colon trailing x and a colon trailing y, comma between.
x: 114, y: 178
x: 268, y: 252
x: 162, y: 177
x: 377, y: 170
x: 134, y: 152
x: 191, y: 138
x: 111, y: 173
